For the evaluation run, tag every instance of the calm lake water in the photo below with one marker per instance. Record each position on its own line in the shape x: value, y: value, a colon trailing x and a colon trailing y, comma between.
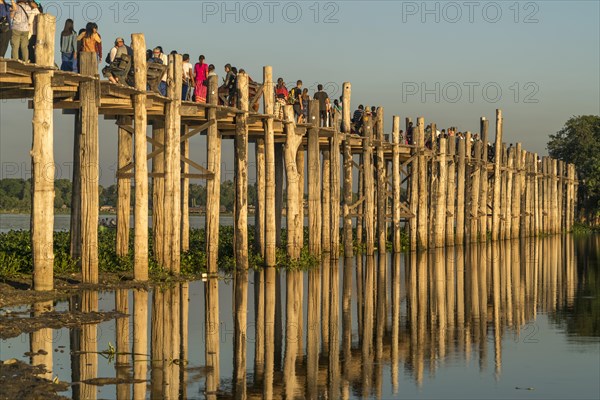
x: 506, y: 320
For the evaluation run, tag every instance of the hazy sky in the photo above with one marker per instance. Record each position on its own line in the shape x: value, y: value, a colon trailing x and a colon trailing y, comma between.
x: 451, y: 62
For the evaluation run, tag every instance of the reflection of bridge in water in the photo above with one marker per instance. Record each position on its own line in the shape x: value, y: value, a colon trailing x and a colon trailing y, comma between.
x: 408, y: 314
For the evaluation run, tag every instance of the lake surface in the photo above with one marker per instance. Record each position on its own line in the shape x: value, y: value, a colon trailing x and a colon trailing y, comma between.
x: 506, y: 320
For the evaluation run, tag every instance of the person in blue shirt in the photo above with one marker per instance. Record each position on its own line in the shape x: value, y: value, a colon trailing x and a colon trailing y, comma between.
x: 5, y: 26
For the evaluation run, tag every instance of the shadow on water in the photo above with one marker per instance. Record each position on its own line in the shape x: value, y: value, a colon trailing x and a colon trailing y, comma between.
x: 481, y: 321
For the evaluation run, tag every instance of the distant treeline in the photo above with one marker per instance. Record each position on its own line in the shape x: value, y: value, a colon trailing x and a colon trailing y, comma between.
x: 15, y: 195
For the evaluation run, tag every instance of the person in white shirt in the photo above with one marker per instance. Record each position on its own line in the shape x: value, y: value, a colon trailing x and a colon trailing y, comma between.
x: 22, y: 29
x: 188, y: 78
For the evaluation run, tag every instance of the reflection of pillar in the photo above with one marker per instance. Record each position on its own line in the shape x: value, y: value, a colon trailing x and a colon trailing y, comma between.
x: 359, y: 292
x: 495, y: 262
x: 241, y: 317
x: 291, y: 334
x: 334, y: 335
x: 421, y: 316
x: 88, y: 362
x: 483, y: 296
x: 450, y: 296
x: 140, y: 342
x: 367, y: 332
x: 325, y: 277
x: 259, y: 325
x: 157, y: 344
x: 269, y: 341
x: 278, y: 319
x: 439, y: 267
x: 74, y: 336
x: 380, y: 324
x: 211, y: 299
x: 312, y: 330
x: 347, y: 315
x: 184, y: 323
x: 460, y: 295
x: 41, y: 342
x: 122, y: 344
x: 395, y: 320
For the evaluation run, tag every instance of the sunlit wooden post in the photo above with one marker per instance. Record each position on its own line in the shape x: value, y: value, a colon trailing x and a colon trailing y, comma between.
x: 396, y: 184
x: 422, y: 222
x: 140, y: 258
x: 382, y: 185
x: 451, y: 191
x: 268, y: 105
x: 42, y: 158
x: 369, y: 187
x: 213, y: 186
x: 241, y: 176
x: 314, y: 180
x: 497, y: 177
x: 125, y: 157
x: 348, y: 242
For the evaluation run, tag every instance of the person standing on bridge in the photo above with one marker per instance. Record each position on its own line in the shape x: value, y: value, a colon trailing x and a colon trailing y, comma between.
x: 5, y: 26
x: 68, y: 46
x: 21, y: 29
x: 188, y: 78
x: 91, y: 40
x: 201, y: 76
x: 322, y: 96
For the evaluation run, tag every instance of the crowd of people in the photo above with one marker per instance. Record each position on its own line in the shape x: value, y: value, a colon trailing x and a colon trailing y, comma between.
x: 18, y: 26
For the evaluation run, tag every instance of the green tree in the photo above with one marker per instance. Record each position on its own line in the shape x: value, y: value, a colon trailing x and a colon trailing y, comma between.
x: 578, y: 142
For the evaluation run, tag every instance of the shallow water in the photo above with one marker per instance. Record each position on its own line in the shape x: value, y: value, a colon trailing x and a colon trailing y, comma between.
x: 508, y: 320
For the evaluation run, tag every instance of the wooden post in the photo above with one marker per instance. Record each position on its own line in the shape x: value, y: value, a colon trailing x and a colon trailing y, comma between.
x: 348, y: 240
x: 172, y: 220
x: 278, y: 191
x: 497, y: 177
x: 326, y: 204
x: 314, y: 180
x: 422, y: 232
x: 432, y: 184
x: 381, y: 186
x: 213, y: 186
x: 509, y: 192
x: 369, y: 187
x: 396, y: 184
x: 537, y: 196
x: 473, y: 209
x: 560, y: 198
x: 483, y: 181
x: 259, y: 207
x: 300, y: 167
x: 75, y: 228
x: 460, y: 194
x: 440, y: 197
x: 554, y: 195
x: 158, y: 191
x: 294, y: 224
x: 414, y: 188
x: 140, y: 258
x: 89, y: 168
x: 334, y: 154
x: 241, y: 182
x: 451, y: 191
x: 185, y: 194
x: 516, y: 193
x: 123, y: 187
x: 42, y: 158
x: 360, y: 207
x: 268, y: 106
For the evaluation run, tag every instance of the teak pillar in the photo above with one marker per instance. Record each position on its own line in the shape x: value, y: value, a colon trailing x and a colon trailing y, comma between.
x: 88, y: 143
x: 125, y: 157
x: 381, y: 186
x: 213, y: 186
x: 268, y: 105
x: 42, y: 158
x: 369, y: 186
x: 314, y: 180
x: 241, y: 176
x: 294, y: 192
x: 422, y: 232
x: 497, y: 177
x: 172, y: 210
x: 451, y: 191
x: 334, y: 154
x: 259, y: 206
x: 396, y: 185
x: 348, y: 242
x: 140, y: 255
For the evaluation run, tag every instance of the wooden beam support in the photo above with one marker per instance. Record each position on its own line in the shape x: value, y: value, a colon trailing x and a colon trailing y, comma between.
x: 241, y: 182
x: 213, y: 187
x: 314, y: 180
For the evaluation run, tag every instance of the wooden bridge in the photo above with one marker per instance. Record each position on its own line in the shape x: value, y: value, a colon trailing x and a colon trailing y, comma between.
x: 449, y: 194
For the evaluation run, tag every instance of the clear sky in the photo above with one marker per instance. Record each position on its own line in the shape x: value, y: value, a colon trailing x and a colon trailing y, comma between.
x: 451, y: 62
